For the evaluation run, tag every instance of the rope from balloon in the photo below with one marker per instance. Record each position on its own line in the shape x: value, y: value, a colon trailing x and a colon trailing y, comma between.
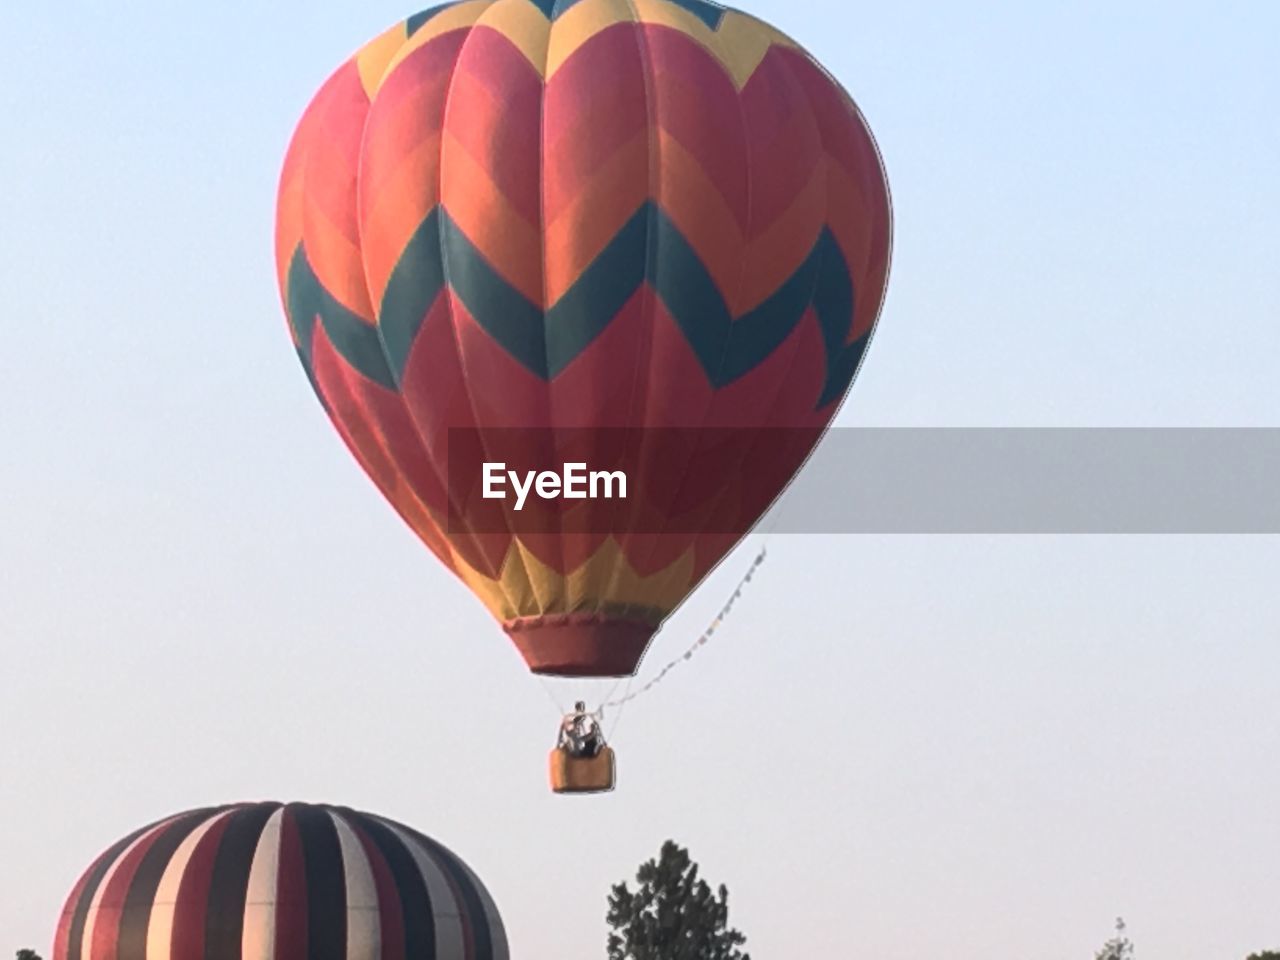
x: 700, y: 642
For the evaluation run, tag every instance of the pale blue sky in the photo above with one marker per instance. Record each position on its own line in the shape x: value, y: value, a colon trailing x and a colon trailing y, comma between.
x: 971, y: 747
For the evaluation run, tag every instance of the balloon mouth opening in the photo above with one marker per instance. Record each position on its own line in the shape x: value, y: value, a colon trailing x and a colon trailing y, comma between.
x: 581, y: 645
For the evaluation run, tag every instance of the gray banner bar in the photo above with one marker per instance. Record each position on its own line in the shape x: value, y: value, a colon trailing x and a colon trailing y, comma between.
x: 1037, y: 480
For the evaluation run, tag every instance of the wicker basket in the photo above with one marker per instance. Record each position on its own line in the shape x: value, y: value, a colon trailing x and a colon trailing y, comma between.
x: 570, y: 774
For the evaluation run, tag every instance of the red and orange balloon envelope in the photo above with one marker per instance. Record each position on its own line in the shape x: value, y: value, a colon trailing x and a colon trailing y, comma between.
x: 651, y: 233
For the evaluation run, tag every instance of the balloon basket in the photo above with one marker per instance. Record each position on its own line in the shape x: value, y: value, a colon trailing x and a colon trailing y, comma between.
x: 570, y: 774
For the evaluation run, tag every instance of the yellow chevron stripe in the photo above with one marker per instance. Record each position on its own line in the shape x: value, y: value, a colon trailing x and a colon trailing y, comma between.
x: 524, y: 25
x: 529, y: 588
x: 579, y: 24
x: 739, y: 44
x: 454, y: 18
x: 608, y: 577
x: 645, y: 598
x: 742, y: 42
x: 373, y: 59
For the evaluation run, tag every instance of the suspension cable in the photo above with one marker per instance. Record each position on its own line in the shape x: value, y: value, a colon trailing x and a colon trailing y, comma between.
x: 546, y: 687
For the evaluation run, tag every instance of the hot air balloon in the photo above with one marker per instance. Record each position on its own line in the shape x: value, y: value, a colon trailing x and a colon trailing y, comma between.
x: 656, y: 231
x: 266, y: 881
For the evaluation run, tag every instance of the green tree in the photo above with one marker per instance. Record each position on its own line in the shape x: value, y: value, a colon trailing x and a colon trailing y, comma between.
x: 1118, y: 947
x: 672, y: 915
x: 25, y: 954
x: 1265, y: 955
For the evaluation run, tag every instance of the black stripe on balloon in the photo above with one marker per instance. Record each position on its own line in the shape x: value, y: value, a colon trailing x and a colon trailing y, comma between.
x: 411, y: 885
x: 649, y: 248
x: 326, y: 883
x: 229, y: 886
x: 354, y: 339
x: 834, y: 303
x: 136, y: 916
x: 97, y: 872
x: 472, y: 901
x: 709, y: 13
x: 416, y: 282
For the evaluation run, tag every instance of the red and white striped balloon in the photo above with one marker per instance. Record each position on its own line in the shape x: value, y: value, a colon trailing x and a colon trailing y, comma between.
x: 268, y: 881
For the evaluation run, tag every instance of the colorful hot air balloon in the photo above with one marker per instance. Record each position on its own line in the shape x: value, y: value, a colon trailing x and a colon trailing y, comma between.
x: 583, y: 215
x: 265, y: 881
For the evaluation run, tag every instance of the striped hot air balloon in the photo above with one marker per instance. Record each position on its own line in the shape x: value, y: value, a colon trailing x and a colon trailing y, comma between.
x: 583, y: 214
x: 266, y: 881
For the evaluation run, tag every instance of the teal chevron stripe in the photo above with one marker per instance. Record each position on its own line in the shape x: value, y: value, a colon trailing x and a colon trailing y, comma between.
x: 692, y: 298
x: 502, y: 311
x: 414, y: 287
x: 833, y: 302
x: 709, y: 13
x: 599, y: 294
x: 648, y: 249
x: 354, y: 339
x: 726, y: 347
x: 543, y: 343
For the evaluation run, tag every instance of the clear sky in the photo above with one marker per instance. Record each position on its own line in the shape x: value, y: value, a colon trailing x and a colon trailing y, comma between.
x: 899, y: 747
